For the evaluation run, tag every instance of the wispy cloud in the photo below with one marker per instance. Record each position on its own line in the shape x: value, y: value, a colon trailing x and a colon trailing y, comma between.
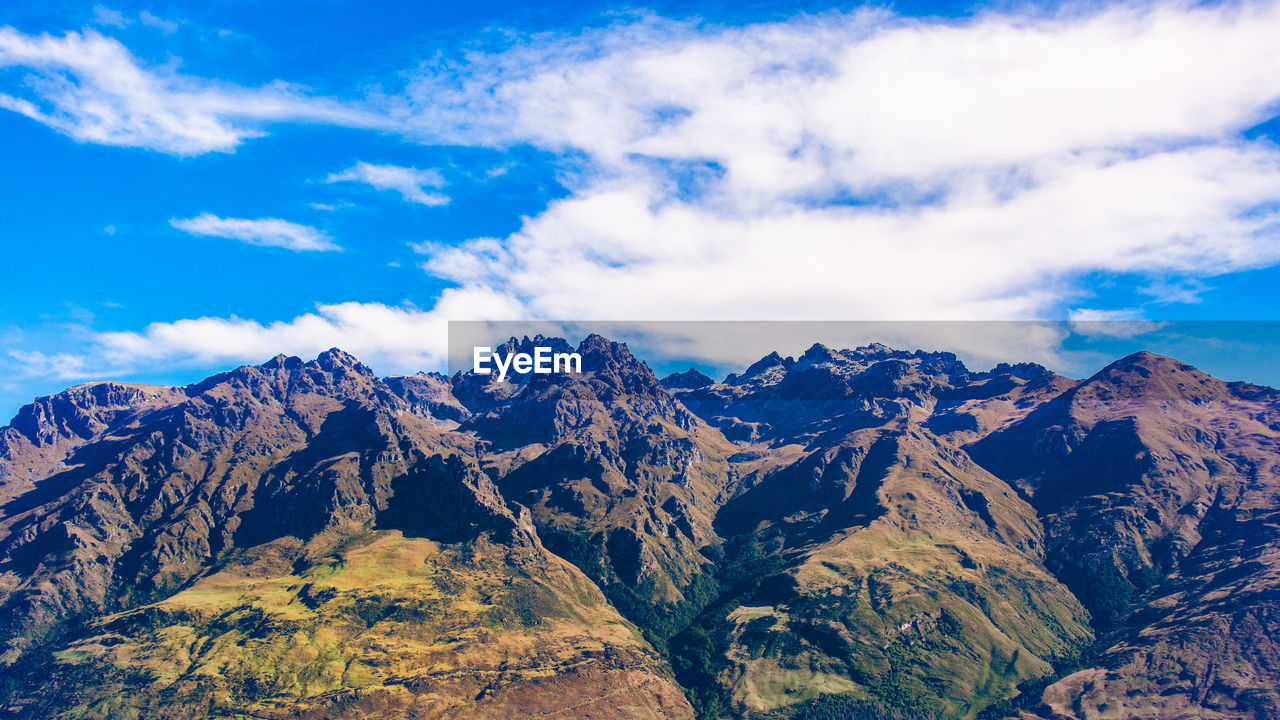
x: 93, y: 89
x: 1187, y: 291
x: 269, y: 232
x: 1121, y: 323
x: 164, y: 25
x: 107, y: 17
x: 59, y: 366
x: 410, y: 182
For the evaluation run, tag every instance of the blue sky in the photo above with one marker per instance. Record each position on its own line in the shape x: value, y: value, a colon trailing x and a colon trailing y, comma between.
x: 192, y: 186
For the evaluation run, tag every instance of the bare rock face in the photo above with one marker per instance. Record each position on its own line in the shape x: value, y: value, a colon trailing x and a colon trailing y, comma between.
x: 42, y: 435
x: 430, y: 395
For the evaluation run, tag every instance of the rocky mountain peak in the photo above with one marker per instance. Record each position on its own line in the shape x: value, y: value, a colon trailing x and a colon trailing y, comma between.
x: 613, y: 362
x: 1023, y: 371
x: 874, y: 350
x: 690, y: 379
x: 819, y: 353
x: 334, y: 359
x: 283, y: 362
x: 546, y: 408
x: 769, y: 369
x: 1145, y: 365
x: 334, y: 373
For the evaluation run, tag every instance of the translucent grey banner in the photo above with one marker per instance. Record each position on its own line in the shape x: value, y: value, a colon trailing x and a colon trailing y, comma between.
x: 1231, y: 350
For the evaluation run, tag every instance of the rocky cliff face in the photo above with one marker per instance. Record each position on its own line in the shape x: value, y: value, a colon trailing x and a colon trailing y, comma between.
x: 39, y: 439
x: 887, y: 528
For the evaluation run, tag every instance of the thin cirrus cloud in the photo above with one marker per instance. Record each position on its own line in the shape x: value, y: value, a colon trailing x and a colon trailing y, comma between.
x: 410, y: 182
x: 267, y: 232
x: 859, y: 165
x: 106, y: 16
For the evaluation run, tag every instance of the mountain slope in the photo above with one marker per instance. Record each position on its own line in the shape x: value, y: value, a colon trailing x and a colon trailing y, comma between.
x: 851, y: 533
x: 202, y: 550
x: 1160, y: 491
x: 916, y: 581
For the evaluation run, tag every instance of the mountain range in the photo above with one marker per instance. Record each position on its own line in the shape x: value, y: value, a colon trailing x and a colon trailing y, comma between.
x: 859, y: 533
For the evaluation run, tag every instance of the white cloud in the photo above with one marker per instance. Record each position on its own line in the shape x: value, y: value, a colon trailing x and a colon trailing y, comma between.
x: 1123, y: 323
x: 869, y: 166
x: 865, y: 97
x: 103, y: 15
x: 60, y: 366
x: 410, y: 182
x: 1188, y: 291
x: 390, y: 339
x: 617, y: 253
x: 151, y: 20
x: 268, y: 232
x: 93, y: 89
x: 107, y: 17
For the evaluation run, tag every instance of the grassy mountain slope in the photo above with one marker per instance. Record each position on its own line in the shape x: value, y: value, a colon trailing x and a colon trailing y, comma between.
x: 900, y: 571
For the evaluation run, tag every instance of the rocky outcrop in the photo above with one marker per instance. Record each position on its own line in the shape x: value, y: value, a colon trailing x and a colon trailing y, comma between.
x: 429, y: 395
x: 838, y: 391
